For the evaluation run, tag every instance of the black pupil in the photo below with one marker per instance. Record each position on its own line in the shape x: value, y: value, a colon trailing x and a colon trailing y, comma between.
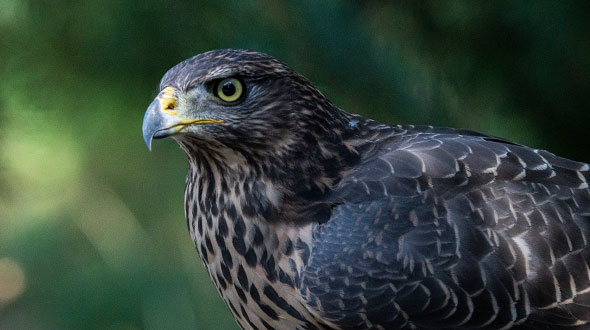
x: 228, y: 88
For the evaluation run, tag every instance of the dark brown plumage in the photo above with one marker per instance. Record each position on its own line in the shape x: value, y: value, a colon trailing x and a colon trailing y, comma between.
x: 309, y: 217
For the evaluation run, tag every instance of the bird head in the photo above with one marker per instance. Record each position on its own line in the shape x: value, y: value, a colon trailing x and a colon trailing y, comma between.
x: 256, y: 115
x: 235, y: 97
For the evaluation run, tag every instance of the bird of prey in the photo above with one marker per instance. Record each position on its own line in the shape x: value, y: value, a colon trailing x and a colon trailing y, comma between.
x: 310, y: 217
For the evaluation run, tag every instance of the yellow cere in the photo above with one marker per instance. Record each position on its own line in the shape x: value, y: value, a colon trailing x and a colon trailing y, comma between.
x: 168, y: 100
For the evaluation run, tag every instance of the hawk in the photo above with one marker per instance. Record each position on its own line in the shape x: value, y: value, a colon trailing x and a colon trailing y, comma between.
x: 310, y: 217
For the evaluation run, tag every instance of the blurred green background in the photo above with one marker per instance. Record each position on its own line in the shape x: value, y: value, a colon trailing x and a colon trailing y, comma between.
x: 92, y: 230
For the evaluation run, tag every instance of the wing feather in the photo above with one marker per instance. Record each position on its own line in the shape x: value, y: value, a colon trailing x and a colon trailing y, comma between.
x: 454, y: 231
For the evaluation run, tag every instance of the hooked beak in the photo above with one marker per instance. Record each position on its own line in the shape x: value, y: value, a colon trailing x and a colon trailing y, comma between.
x: 159, y: 123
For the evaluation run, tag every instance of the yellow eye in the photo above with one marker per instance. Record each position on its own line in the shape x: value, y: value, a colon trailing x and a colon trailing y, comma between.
x: 229, y: 89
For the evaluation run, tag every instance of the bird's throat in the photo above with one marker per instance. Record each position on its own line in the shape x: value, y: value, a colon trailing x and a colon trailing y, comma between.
x: 252, y: 256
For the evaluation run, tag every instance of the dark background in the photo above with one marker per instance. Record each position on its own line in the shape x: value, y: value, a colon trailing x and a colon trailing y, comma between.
x: 92, y: 231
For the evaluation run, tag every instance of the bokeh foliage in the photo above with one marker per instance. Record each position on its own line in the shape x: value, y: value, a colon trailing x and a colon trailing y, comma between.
x: 92, y: 231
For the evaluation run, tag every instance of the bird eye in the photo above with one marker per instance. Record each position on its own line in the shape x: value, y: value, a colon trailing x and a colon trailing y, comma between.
x: 229, y: 90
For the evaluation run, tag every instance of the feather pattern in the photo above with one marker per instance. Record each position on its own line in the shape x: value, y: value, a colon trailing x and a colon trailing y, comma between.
x: 309, y: 217
x: 443, y: 230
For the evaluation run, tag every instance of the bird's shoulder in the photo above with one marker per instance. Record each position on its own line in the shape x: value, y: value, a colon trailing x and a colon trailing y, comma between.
x: 431, y: 215
x: 412, y: 159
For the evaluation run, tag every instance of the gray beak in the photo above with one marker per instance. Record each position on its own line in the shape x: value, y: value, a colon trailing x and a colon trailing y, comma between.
x: 159, y: 123
x: 153, y: 122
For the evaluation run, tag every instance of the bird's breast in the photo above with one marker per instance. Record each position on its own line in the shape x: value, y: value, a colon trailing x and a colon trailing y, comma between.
x: 254, y: 264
